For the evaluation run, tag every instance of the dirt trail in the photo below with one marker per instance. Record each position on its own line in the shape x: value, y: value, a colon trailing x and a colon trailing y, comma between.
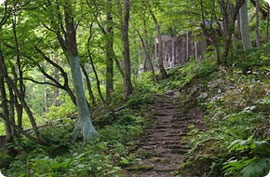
x: 163, y: 140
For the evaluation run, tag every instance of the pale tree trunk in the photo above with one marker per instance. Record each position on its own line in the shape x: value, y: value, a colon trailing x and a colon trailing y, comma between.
x: 84, y: 124
x: 109, y: 52
x: 160, y: 55
x: 244, y: 26
x: 257, y: 23
x: 127, y: 71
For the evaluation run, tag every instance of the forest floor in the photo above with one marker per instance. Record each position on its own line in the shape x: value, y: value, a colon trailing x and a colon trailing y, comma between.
x: 164, y: 142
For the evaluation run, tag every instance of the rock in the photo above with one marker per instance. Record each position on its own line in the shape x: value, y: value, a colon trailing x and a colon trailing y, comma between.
x: 140, y: 168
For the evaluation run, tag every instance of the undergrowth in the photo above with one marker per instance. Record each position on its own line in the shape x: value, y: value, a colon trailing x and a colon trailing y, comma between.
x: 236, y: 141
x: 105, y: 156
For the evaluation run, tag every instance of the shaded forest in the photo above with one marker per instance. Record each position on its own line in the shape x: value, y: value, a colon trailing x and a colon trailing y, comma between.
x: 134, y: 88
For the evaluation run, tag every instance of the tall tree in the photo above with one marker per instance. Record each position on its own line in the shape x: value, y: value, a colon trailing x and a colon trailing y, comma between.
x: 257, y: 23
x: 267, y: 26
x: 109, y: 50
x: 4, y: 106
x: 148, y: 57
x: 84, y: 123
x: 244, y: 26
x: 160, y: 55
x: 127, y: 71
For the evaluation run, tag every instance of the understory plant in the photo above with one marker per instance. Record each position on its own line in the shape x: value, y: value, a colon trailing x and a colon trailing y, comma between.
x: 236, y: 142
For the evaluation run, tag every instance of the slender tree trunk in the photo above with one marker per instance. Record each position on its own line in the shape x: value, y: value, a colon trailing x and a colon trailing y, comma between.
x: 160, y: 55
x: 56, y: 92
x: 187, y: 51
x: 261, y: 10
x: 148, y: 58
x: 88, y: 84
x: 109, y: 51
x: 84, y: 124
x: 244, y: 26
x: 4, y: 105
x: 45, y: 96
x: 95, y: 71
x: 12, y: 103
x: 267, y: 30
x: 127, y: 71
x: 65, y: 86
x: 13, y: 86
x: 217, y: 53
x: 21, y: 84
x: 257, y: 23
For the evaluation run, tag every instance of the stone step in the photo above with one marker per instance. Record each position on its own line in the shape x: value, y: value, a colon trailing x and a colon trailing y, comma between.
x: 177, y: 147
x: 168, y: 142
x: 165, y: 139
x: 153, y: 143
x: 150, y: 147
x: 162, y: 127
x: 163, y: 122
x: 165, y: 107
x: 181, y: 118
x: 153, y: 130
x: 172, y: 135
x: 167, y: 127
x: 167, y: 113
x: 178, y: 126
x: 179, y: 151
x: 159, y: 170
x: 140, y: 168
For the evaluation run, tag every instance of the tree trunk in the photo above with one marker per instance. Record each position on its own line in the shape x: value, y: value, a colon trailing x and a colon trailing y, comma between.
x: 244, y: 26
x: 13, y: 86
x: 109, y: 52
x: 56, y: 92
x: 12, y: 103
x: 127, y: 71
x: 148, y: 58
x: 217, y: 53
x: 21, y: 84
x: 65, y: 86
x: 261, y: 9
x: 84, y: 124
x: 267, y: 30
x: 45, y: 96
x: 257, y: 23
x: 226, y: 47
x: 160, y: 55
x: 4, y: 106
x: 88, y: 84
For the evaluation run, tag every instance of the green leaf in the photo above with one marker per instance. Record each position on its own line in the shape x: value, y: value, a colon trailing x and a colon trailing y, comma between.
x: 124, y: 160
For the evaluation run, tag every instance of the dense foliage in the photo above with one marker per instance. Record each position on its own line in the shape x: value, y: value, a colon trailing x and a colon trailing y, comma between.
x: 69, y: 68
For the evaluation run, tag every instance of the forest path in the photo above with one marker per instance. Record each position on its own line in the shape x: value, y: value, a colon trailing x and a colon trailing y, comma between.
x: 162, y: 142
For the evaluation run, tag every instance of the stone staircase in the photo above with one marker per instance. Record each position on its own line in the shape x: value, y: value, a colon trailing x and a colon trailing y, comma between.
x: 163, y: 140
